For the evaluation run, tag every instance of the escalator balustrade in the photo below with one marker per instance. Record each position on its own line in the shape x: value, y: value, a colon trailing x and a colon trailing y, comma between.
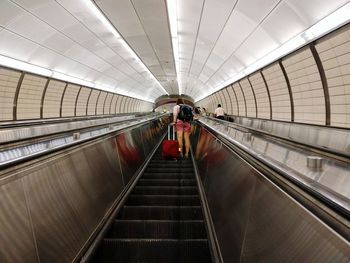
x: 161, y: 220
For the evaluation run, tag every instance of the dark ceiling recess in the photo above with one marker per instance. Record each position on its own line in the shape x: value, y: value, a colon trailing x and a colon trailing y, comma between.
x: 172, y: 99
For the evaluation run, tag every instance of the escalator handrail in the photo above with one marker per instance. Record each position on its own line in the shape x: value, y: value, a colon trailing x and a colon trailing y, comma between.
x: 37, y: 154
x: 213, y: 242
x: 88, y: 250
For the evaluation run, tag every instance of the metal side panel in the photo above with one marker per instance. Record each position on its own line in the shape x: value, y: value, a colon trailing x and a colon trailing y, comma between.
x: 131, y: 153
x: 254, y: 220
x: 150, y: 135
x: 279, y: 228
x: 68, y: 196
x: 16, y: 235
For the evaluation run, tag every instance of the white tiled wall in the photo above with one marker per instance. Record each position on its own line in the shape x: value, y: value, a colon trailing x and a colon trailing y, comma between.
x: 240, y: 99
x: 119, y: 102
x: 122, y: 104
x: 108, y: 104
x: 8, y: 85
x: 29, y: 98
x: 307, y: 89
x: 261, y: 95
x: 228, y: 101
x: 249, y: 98
x: 82, y: 101
x: 334, y: 52
x: 92, y: 102
x: 52, y: 100
x: 113, y: 104
x: 280, y: 100
x: 69, y: 100
x: 100, y: 103
x: 223, y: 100
x: 133, y: 105
x: 212, y: 104
x: 233, y: 100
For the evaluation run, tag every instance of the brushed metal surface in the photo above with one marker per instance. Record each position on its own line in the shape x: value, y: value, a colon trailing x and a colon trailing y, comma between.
x: 329, y: 138
x: 332, y: 181
x: 129, y: 145
x: 254, y: 220
x: 49, y: 209
x: 16, y: 235
x: 279, y: 228
x: 150, y: 134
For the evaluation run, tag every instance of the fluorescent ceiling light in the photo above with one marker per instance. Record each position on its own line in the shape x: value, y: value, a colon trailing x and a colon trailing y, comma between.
x: 24, y: 66
x: 330, y: 22
x: 101, y: 17
x: 64, y: 77
x: 172, y: 11
x: 322, y: 27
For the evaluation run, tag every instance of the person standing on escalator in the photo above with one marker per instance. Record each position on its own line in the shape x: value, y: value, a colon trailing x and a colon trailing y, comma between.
x: 219, y: 112
x: 182, y: 116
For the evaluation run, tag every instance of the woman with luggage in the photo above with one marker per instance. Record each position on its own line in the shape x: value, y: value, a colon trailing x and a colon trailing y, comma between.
x: 182, y: 125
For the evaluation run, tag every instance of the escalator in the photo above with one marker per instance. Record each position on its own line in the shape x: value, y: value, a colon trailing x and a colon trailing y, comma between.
x: 162, y: 219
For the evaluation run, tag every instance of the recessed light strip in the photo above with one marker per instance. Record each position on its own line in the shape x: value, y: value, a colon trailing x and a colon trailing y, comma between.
x: 172, y: 12
x: 24, y: 66
x: 30, y: 68
x: 322, y: 27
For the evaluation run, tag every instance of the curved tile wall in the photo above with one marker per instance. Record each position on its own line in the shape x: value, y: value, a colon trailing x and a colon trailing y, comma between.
x: 25, y: 96
x: 310, y: 85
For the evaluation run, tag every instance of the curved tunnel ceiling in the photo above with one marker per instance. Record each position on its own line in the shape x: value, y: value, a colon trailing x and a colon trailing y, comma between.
x: 217, y: 40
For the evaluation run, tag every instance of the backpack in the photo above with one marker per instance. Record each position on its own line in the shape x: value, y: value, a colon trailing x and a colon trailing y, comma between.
x: 185, y: 113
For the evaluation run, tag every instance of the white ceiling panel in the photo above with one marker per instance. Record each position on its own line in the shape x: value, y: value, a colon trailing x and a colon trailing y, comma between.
x: 14, y: 46
x: 9, y: 12
x: 217, y: 39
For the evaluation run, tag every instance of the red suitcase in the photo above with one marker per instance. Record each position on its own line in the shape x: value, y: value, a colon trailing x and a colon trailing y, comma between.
x: 170, y: 148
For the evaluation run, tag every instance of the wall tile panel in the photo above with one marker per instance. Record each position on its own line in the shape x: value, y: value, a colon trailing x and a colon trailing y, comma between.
x: 261, y: 94
x: 8, y: 85
x: 29, y: 98
x: 82, y: 101
x: 280, y: 99
x: 69, y: 100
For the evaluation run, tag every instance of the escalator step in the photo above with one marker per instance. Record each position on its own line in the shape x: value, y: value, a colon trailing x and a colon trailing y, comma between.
x: 157, y: 200
x: 161, y: 213
x: 154, y: 251
x: 194, y: 229
x: 168, y: 176
x: 166, y: 190
x: 166, y: 182
x: 170, y: 170
x: 166, y: 166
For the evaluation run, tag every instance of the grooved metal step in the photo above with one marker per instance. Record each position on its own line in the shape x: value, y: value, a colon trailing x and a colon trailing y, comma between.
x: 178, y: 169
x: 166, y: 190
x: 169, y: 165
x: 161, y: 220
x: 173, y: 229
x: 161, y: 212
x: 154, y: 251
x: 157, y: 200
x: 168, y: 176
x: 167, y: 182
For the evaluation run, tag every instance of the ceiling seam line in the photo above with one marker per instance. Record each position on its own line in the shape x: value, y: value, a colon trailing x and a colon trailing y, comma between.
x: 195, y: 41
x: 125, y: 74
x: 245, y: 39
x: 211, y: 51
x: 150, y: 42
x: 99, y: 40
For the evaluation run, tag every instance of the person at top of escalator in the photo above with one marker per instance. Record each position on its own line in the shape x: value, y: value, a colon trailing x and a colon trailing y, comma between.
x: 219, y: 112
x: 182, y: 116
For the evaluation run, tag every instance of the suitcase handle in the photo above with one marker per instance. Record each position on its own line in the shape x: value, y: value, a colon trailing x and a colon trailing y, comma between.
x: 169, y: 128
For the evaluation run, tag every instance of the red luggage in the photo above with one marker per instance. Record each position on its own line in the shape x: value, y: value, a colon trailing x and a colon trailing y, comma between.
x: 170, y: 148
